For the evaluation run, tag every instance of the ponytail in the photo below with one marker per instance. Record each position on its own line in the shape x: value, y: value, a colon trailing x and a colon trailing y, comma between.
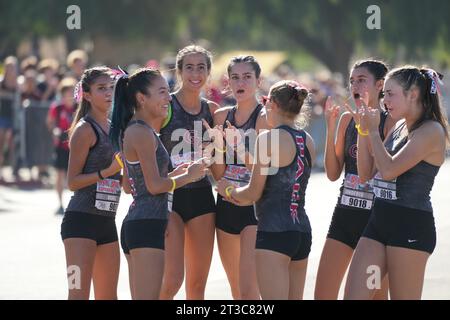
x: 431, y: 100
x: 83, y: 108
x: 122, y: 112
x: 427, y: 81
x: 125, y: 103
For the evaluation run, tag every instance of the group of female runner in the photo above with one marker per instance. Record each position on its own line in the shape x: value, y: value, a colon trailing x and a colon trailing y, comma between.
x: 164, y: 148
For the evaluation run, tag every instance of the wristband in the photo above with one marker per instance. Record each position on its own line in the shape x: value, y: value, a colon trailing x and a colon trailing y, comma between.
x: 229, y: 190
x: 174, y: 185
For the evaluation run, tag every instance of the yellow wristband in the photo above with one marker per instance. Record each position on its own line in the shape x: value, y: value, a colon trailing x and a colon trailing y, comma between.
x: 229, y: 190
x: 118, y: 159
x: 174, y: 185
x: 360, y: 132
x: 220, y: 150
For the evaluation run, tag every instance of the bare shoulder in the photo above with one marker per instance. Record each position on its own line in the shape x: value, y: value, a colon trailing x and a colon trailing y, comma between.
x: 346, y: 117
x: 139, y: 133
x: 430, y: 129
x: 220, y: 114
x: 261, y: 121
x: 83, y: 133
x: 309, y: 140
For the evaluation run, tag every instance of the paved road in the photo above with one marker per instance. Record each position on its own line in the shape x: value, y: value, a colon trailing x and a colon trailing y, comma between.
x: 32, y: 261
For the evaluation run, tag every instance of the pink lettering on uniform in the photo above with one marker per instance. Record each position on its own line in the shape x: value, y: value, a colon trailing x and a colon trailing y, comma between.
x: 296, y: 188
x: 301, y: 144
x: 294, y: 213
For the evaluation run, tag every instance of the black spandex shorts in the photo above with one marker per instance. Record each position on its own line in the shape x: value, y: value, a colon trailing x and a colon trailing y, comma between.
x: 89, y: 226
x: 192, y: 203
x: 347, y: 225
x: 145, y: 233
x: 399, y: 226
x: 233, y: 219
x: 295, y: 244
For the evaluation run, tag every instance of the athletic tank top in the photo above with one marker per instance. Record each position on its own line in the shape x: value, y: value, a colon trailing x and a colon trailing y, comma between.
x: 353, y: 193
x: 412, y: 188
x: 101, y: 198
x: 282, y: 204
x: 146, y: 205
x: 182, y: 136
x: 237, y: 173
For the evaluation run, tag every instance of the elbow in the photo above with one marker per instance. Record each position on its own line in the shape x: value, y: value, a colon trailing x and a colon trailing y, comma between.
x: 333, y: 172
x: 332, y: 177
x: 155, y: 189
x: 255, y: 196
x: 72, y: 186
x: 127, y: 190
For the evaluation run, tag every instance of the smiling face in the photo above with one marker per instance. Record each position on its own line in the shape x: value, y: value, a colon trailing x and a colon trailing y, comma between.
x: 194, y: 71
x: 100, y: 93
x: 157, y: 99
x: 361, y: 80
x: 243, y: 81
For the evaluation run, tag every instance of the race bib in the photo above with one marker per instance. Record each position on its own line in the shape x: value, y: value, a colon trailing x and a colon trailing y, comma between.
x: 178, y: 159
x: 170, y: 201
x: 239, y: 176
x: 384, y: 189
x: 107, y: 195
x: 356, y: 194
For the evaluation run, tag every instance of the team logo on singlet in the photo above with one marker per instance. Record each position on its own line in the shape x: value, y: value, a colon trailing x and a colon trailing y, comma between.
x: 352, y: 151
x: 296, y: 189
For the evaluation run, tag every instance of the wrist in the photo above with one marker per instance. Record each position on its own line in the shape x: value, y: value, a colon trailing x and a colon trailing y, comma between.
x: 100, y: 175
x: 374, y: 132
x: 229, y: 191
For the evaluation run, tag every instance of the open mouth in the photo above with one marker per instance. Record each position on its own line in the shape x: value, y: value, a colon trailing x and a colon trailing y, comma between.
x: 240, y: 91
x: 356, y: 96
x: 195, y: 82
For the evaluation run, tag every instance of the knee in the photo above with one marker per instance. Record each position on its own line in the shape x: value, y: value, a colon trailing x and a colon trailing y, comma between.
x: 171, y: 285
x: 249, y: 291
x: 195, y: 289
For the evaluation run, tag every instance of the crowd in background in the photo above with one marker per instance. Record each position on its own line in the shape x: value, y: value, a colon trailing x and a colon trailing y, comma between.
x: 42, y: 84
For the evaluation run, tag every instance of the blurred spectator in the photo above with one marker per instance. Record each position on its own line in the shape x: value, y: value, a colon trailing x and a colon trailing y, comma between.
x: 48, y: 84
x: 59, y: 119
x: 77, y: 61
x: 169, y: 72
x: 29, y: 89
x: 8, y: 94
x: 29, y: 63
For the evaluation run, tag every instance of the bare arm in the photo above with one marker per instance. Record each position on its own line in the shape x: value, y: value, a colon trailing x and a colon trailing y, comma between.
x: 82, y: 139
x: 426, y: 143
x: 311, y: 147
x: 219, y: 166
x: 144, y: 143
x: 334, y: 149
x: 253, y: 191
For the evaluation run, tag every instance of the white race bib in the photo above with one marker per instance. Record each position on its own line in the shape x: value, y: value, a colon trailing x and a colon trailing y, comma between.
x: 107, y: 195
x: 239, y: 176
x: 356, y: 194
x: 384, y: 189
x: 179, y: 159
x: 170, y: 201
